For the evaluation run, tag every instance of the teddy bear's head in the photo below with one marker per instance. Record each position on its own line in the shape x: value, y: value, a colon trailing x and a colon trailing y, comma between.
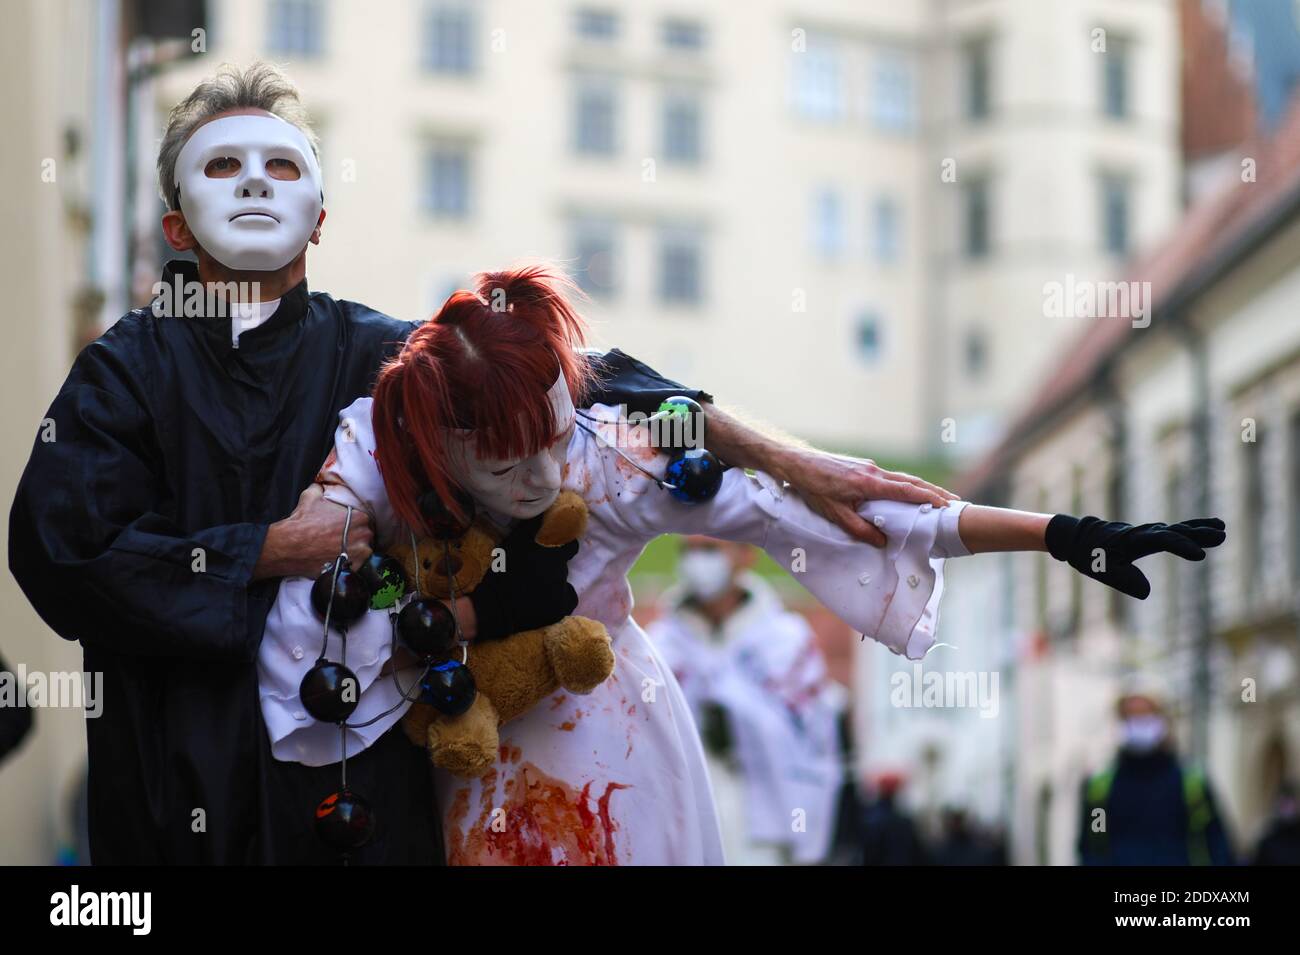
x: 461, y: 561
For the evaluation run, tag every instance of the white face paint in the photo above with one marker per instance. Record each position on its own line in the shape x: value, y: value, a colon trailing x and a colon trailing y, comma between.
x: 517, y: 487
x: 250, y: 191
x: 705, y: 573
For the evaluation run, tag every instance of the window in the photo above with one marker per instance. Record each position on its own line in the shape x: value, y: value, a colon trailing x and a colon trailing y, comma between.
x: 975, y: 353
x: 977, y: 78
x: 297, y: 27
x: 595, y: 250
x: 1294, y: 483
x: 681, y: 267
x: 448, y: 38
x: 891, y: 93
x: 1255, y: 491
x: 447, y: 181
x: 681, y: 127
x: 1115, y: 192
x: 867, y: 337
x: 595, y: 116
x: 683, y: 35
x: 1176, y: 494
x: 827, y: 224
x: 1117, y: 607
x: 600, y: 25
x: 1115, y: 77
x: 885, y: 243
x: 978, y: 227
x: 818, y: 91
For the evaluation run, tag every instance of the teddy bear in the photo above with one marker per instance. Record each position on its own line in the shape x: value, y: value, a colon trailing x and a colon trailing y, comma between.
x: 513, y: 674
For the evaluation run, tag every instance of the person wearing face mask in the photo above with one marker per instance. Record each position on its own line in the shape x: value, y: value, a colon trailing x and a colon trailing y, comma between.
x: 491, y: 399
x: 766, y: 708
x: 1147, y: 807
x: 171, y: 487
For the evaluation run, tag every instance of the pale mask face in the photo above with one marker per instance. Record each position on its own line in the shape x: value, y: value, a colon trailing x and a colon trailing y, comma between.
x: 517, y: 487
x: 250, y: 191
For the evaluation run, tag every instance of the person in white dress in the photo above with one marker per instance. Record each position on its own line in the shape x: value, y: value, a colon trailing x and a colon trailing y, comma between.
x: 767, y: 709
x: 481, y: 401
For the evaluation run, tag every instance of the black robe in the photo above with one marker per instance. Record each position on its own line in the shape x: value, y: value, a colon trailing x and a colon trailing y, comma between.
x: 170, y: 446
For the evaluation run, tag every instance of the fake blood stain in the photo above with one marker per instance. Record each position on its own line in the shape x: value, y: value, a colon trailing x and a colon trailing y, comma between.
x: 542, y: 821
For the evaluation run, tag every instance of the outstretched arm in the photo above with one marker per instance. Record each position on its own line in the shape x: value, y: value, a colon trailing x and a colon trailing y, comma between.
x: 1102, y: 550
x: 985, y: 529
x: 833, y: 485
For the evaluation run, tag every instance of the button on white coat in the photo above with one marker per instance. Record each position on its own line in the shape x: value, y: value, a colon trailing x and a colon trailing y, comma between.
x: 297, y: 653
x: 913, y: 580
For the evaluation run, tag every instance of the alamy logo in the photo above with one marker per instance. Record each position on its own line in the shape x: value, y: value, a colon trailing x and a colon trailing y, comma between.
x: 945, y: 689
x: 103, y: 908
x: 189, y: 299
x: 1081, y: 298
x: 69, y: 689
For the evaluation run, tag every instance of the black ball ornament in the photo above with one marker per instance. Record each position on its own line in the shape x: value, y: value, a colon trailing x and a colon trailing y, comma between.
x: 385, y: 579
x: 695, y: 475
x: 442, y: 523
x: 427, y: 627
x: 329, y: 692
x: 344, y: 821
x: 449, y: 688
x: 679, y: 423
x: 351, y: 595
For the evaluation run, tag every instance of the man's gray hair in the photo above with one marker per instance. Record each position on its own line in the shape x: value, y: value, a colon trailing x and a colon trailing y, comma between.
x: 261, y: 86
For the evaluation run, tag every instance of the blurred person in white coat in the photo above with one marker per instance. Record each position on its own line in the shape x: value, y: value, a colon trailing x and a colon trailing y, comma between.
x: 766, y: 707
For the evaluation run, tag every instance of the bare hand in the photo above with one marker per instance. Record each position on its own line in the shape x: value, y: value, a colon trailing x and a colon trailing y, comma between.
x: 835, y: 486
x: 312, y: 536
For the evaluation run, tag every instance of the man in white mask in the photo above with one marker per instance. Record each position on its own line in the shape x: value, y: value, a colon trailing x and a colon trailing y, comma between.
x: 1147, y: 807
x: 157, y: 527
x: 766, y: 708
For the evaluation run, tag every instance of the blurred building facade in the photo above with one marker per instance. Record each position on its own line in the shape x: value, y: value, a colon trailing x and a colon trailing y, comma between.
x: 1196, y: 414
x: 1132, y: 438
x: 1062, y: 121
x: 50, y: 254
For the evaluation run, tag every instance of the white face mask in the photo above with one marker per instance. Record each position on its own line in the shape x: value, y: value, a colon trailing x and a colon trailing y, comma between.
x: 1142, y: 734
x: 705, y: 573
x: 516, y: 487
x: 239, y: 193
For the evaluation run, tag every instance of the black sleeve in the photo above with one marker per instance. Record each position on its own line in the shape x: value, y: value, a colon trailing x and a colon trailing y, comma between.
x: 90, y: 549
x: 621, y: 379
x: 15, y: 723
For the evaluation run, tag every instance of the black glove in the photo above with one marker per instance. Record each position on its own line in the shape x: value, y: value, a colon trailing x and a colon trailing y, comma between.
x: 532, y: 590
x: 1074, y: 540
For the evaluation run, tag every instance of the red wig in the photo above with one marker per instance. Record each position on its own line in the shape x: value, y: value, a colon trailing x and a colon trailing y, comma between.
x: 486, y: 362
